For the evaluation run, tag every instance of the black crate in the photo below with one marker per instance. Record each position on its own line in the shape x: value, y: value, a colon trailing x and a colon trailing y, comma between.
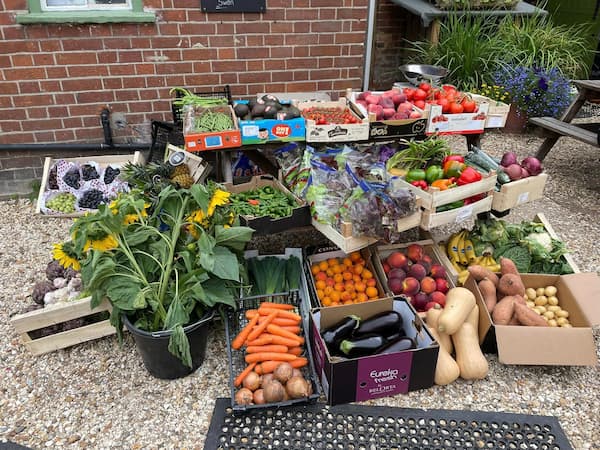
x: 236, y: 320
x: 176, y: 110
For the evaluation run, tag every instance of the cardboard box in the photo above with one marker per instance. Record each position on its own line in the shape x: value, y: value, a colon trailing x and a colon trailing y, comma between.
x: 578, y: 294
x: 199, y: 169
x: 497, y: 112
x: 300, y: 216
x: 518, y: 192
x: 336, y: 132
x: 100, y: 162
x: 271, y: 130
x: 465, y: 123
x: 366, y: 378
x: 198, y: 142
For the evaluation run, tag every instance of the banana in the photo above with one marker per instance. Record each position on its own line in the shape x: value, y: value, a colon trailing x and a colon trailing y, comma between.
x: 462, y: 277
x: 452, y: 247
x: 462, y: 256
x: 494, y: 267
x: 477, y: 261
x: 469, y: 250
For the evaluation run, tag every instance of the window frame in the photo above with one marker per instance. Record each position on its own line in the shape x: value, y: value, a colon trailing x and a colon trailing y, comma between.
x: 135, y: 14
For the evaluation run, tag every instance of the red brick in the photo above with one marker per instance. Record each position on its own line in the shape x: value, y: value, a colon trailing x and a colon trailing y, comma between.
x: 63, y: 135
x: 174, y: 67
x: 197, y: 29
x: 299, y: 39
x: 126, y: 95
x: 226, y: 53
x: 15, y: 33
x: 325, y: 50
x: 144, y: 69
x: 31, y: 73
x: 87, y: 134
x: 273, y: 14
x: 349, y: 61
x: 58, y: 111
x: 326, y: 62
x: 327, y: 14
x: 64, y: 98
x: 108, y: 57
x: 282, y: 52
x: 281, y: 27
x: 37, y: 113
x: 118, y: 43
x: 199, y: 54
x: 349, y: 38
x: 228, y: 78
x: 326, y: 27
x: 72, y: 122
x: 95, y: 97
x: 157, y: 81
x: 87, y: 71
x: 326, y: 39
x: 133, y: 56
x: 201, y: 66
x: 40, y: 124
x: 141, y: 43
x: 256, y: 65
x: 255, y: 41
x: 324, y: 74
x: 82, y: 44
x: 7, y: 47
x: 121, y: 69
x: 74, y: 58
x: 280, y: 76
x: 28, y: 87
x: 252, y: 28
x: 222, y: 41
x: 56, y: 72
x: 22, y: 60
x: 111, y: 83
x: 300, y: 63
x: 324, y: 86
x: 228, y: 66
x: 50, y: 45
x: 43, y: 59
x: 170, y: 15
x: 351, y: 13
x: 301, y: 3
x: 300, y: 75
x: 81, y: 84
x: 49, y: 85
x: 300, y: 52
x: 10, y: 126
x: 302, y: 14
x: 200, y: 79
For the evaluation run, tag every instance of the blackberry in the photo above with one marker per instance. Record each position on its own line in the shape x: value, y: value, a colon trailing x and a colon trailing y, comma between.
x: 89, y: 172
x: 52, y: 178
x: 72, y: 178
x: 91, y: 199
x: 110, y: 174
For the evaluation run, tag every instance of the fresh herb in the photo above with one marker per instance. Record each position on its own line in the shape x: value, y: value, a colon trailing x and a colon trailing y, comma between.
x: 419, y: 154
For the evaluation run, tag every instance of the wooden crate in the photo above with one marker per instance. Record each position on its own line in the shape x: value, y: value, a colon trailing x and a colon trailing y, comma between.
x: 199, y: 168
x: 432, y: 219
x: 102, y: 161
x: 26, y: 324
x: 518, y: 192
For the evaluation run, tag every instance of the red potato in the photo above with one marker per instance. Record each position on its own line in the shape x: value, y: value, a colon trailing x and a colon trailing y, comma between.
x: 405, y: 107
x: 363, y: 95
x: 415, y: 115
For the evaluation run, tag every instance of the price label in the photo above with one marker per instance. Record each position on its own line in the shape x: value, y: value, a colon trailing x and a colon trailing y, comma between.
x: 523, y: 197
x: 465, y: 213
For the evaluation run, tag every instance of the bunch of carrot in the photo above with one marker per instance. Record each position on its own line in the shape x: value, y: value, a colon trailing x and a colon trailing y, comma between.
x: 271, y: 336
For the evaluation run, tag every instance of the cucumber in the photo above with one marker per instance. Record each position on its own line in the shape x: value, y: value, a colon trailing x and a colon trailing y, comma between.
x: 481, y: 158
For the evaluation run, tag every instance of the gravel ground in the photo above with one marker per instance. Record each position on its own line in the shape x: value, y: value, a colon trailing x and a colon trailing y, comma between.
x: 98, y: 395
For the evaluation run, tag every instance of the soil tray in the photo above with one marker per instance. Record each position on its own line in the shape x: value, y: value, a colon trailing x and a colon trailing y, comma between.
x: 357, y: 427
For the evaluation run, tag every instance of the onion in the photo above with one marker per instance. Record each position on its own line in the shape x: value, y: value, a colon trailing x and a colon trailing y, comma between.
x: 252, y: 381
x: 508, y: 158
x: 533, y: 165
x: 524, y: 172
x: 244, y: 396
x: 273, y: 392
x: 259, y: 398
x: 297, y: 387
x: 513, y: 171
x: 266, y: 379
x: 283, y: 372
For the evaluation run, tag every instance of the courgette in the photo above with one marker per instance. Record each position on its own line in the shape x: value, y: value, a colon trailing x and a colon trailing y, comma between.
x: 477, y: 156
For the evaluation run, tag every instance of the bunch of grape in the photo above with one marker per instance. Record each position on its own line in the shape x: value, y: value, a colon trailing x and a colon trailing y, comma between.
x: 91, y: 199
x: 52, y: 178
x: 110, y: 174
x: 72, y: 178
x: 89, y: 172
x: 63, y: 202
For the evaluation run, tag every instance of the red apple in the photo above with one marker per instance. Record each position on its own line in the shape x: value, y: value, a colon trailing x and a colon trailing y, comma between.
x: 415, y: 115
x: 441, y: 284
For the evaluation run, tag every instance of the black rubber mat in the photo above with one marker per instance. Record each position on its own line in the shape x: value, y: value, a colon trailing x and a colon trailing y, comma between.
x: 358, y: 427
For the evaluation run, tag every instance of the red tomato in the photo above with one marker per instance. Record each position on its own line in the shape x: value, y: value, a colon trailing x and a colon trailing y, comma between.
x: 420, y: 94
x: 468, y: 105
x: 409, y: 92
x: 449, y: 89
x: 425, y: 86
x: 445, y: 104
x: 456, y: 108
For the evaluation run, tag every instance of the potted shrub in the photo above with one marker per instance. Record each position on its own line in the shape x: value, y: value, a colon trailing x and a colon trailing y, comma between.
x: 164, y: 261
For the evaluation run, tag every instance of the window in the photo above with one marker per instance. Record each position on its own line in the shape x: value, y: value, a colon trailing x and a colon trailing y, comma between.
x: 85, y: 11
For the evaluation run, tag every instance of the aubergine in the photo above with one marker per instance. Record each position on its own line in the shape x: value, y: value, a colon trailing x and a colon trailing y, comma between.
x: 385, y: 323
x: 397, y: 345
x: 336, y: 333
x: 365, y: 345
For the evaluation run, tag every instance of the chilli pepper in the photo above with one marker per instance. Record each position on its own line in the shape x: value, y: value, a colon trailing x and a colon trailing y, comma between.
x: 415, y: 175
x: 468, y: 175
x: 453, y: 168
x: 453, y: 157
x: 443, y: 183
x: 420, y: 184
x: 433, y: 173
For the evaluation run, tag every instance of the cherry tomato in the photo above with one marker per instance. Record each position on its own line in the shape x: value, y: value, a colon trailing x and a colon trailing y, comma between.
x: 445, y: 104
x: 419, y: 104
x: 420, y: 94
x: 468, y: 105
x: 424, y: 86
x: 456, y: 108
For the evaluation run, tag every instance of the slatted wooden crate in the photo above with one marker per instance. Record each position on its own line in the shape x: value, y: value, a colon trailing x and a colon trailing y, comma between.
x: 28, y: 325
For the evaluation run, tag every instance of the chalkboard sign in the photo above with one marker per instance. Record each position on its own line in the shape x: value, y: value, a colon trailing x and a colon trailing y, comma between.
x: 253, y: 6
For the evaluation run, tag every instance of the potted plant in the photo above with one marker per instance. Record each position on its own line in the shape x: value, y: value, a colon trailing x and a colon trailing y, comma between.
x: 533, y: 92
x: 164, y: 261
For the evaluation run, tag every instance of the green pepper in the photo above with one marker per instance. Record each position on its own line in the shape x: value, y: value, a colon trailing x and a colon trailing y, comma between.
x: 453, y: 169
x: 415, y: 175
x: 433, y: 173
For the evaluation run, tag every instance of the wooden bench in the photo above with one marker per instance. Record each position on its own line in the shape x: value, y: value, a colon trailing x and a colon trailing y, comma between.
x: 555, y: 128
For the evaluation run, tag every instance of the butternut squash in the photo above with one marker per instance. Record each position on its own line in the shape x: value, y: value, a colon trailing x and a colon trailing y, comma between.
x: 472, y: 363
x: 446, y: 368
x: 432, y: 319
x: 459, y: 302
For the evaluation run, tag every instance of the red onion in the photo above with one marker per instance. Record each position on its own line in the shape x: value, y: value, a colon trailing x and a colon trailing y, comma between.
x: 533, y: 165
x: 524, y: 172
x: 513, y: 171
x: 508, y: 158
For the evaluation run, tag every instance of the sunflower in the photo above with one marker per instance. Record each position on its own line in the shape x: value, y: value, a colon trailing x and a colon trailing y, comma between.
x: 65, y: 254
x: 106, y: 243
x: 219, y: 198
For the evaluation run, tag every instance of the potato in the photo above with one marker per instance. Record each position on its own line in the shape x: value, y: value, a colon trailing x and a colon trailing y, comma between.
x: 552, y: 323
x: 542, y: 300
x: 550, y: 291
x: 552, y: 300
x: 539, y: 291
x: 562, y: 313
x: 530, y: 293
x: 548, y: 315
x: 562, y: 321
x: 553, y: 308
x: 530, y: 303
x: 539, y: 309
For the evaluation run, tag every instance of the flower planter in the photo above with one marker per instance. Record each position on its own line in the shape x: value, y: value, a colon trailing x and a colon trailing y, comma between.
x: 153, y: 348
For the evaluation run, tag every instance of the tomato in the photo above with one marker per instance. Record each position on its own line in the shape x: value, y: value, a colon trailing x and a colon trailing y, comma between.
x: 468, y: 105
x: 425, y: 86
x: 420, y: 94
x: 409, y: 92
x: 419, y: 104
x: 449, y: 89
x: 445, y: 104
x: 456, y: 108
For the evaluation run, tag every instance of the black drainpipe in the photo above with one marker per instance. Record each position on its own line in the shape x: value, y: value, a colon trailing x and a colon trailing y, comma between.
x: 108, y: 143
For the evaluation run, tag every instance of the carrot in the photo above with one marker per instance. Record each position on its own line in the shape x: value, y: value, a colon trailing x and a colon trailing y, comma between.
x: 266, y: 367
x: 282, y: 321
x: 295, y: 350
x: 285, y: 306
x: 292, y: 329
x: 239, y: 340
x: 276, y: 329
x: 257, y: 331
x: 282, y: 313
x: 264, y: 339
x: 250, y: 313
x: 300, y: 361
x: 266, y: 356
x: 282, y: 340
x: 240, y: 378
x: 267, y: 348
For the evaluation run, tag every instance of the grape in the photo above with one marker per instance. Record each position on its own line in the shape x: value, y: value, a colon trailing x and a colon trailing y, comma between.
x: 91, y: 199
x: 63, y: 202
x: 72, y: 178
x: 89, y: 172
x: 110, y: 174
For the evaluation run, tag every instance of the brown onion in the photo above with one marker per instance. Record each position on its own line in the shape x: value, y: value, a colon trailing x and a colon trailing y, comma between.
x: 244, y: 396
x: 259, y: 397
x: 283, y: 372
x: 273, y: 392
x: 266, y: 379
x: 252, y: 381
x: 297, y: 387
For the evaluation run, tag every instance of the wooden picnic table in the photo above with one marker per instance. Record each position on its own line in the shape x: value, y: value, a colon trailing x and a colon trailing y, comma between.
x: 589, y: 91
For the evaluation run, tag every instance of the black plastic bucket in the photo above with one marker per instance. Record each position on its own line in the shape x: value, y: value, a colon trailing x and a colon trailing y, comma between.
x: 154, y: 348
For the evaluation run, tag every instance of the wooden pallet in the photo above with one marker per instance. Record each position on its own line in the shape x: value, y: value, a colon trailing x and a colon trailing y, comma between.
x: 26, y: 324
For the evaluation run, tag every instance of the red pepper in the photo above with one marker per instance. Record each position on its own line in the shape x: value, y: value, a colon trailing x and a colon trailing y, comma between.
x: 420, y: 184
x: 468, y: 175
x: 453, y: 157
x: 474, y: 198
x: 253, y: 202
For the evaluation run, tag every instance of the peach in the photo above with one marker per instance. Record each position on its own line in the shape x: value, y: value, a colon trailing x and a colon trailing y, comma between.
x: 414, y: 252
x: 437, y: 271
x: 386, y: 267
x: 410, y: 286
x: 427, y: 258
x: 428, y: 285
x: 395, y: 285
x: 425, y: 264
x: 397, y: 273
x: 438, y: 297
x: 441, y: 284
x: 417, y: 271
x: 430, y: 305
x: 397, y: 260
